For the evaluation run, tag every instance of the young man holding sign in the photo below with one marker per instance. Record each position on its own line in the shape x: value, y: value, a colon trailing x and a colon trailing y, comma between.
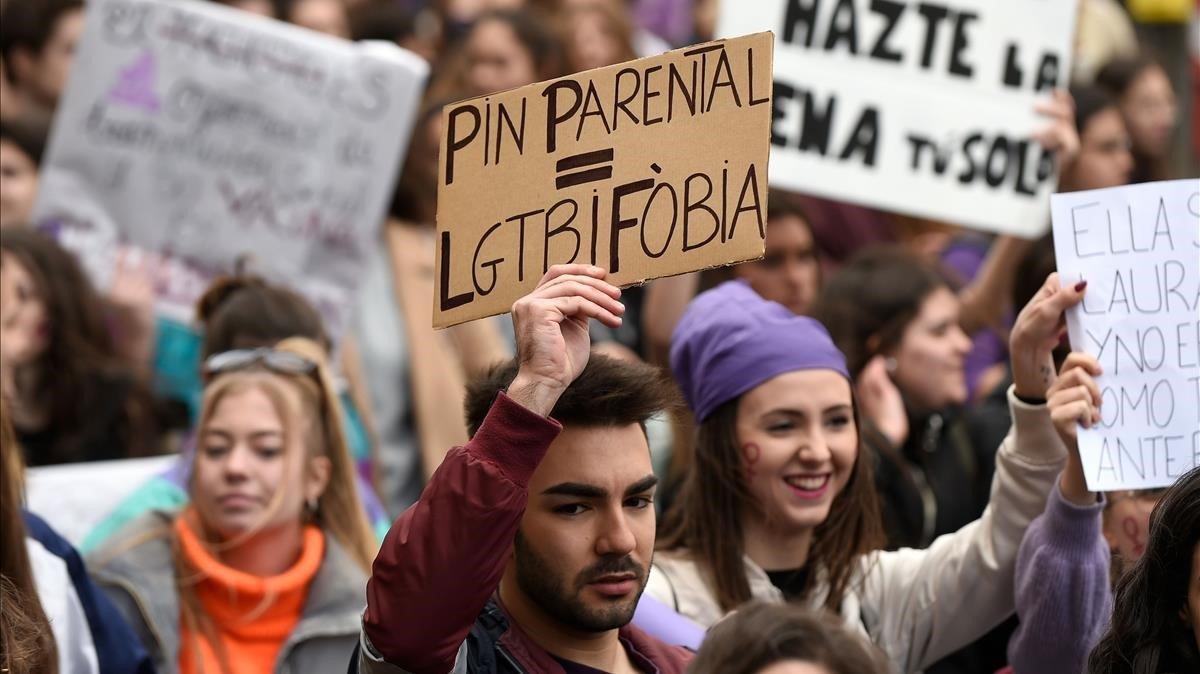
x: 530, y: 546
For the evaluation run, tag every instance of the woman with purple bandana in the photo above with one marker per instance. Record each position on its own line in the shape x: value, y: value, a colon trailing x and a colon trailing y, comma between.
x: 779, y: 506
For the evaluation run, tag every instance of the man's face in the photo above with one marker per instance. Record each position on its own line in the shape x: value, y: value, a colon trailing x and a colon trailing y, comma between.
x: 583, y: 551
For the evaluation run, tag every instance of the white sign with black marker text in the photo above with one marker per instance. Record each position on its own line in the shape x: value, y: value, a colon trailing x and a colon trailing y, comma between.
x: 1138, y: 247
x: 923, y: 108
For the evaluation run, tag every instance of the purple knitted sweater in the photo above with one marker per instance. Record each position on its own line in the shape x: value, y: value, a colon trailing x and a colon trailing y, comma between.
x: 1063, y: 598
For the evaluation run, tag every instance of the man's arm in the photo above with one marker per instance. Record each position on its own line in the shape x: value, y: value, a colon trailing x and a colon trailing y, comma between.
x: 443, y: 558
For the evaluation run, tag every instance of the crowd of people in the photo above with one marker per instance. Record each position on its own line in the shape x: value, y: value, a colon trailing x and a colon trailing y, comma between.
x: 856, y: 454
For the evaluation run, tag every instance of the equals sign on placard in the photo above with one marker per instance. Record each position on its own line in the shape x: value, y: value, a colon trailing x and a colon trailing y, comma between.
x: 579, y: 161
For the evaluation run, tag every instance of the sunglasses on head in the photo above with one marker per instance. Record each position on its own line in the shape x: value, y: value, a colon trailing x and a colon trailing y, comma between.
x: 282, y: 362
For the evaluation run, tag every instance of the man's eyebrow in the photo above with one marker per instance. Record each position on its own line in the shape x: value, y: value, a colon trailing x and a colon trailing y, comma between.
x: 577, y: 489
x: 580, y: 490
x: 644, y: 484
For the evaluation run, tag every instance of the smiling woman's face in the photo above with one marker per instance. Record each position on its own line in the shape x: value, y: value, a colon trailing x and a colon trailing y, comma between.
x: 798, y: 443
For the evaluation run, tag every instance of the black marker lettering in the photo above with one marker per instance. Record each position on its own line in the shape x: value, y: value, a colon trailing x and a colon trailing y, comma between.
x: 453, y: 143
x: 620, y: 192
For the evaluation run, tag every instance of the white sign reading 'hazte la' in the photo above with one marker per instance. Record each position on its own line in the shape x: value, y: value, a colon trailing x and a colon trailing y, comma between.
x: 1138, y: 248
x: 209, y: 135
x: 924, y: 108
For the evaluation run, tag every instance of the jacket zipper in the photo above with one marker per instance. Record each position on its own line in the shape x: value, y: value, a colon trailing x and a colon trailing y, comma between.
x: 929, y: 505
x: 297, y: 638
x: 509, y: 659
x: 141, y: 605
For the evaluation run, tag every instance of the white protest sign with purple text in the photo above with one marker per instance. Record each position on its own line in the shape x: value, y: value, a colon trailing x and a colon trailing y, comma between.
x: 210, y: 136
x: 920, y: 107
x: 1138, y: 248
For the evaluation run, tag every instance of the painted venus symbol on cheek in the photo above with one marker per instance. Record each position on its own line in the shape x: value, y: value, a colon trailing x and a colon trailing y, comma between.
x: 1134, y: 532
x: 751, y: 453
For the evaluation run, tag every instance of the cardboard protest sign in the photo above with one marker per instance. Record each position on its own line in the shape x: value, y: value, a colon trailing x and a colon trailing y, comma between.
x: 1138, y: 247
x: 923, y: 108
x: 648, y: 168
x: 208, y: 135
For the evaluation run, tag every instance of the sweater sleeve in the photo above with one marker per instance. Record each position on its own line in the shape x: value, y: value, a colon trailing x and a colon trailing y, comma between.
x: 444, y: 557
x: 1062, y: 589
x: 920, y: 605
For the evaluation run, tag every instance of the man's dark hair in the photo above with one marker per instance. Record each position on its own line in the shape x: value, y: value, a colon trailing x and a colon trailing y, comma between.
x: 609, y: 392
x: 28, y: 25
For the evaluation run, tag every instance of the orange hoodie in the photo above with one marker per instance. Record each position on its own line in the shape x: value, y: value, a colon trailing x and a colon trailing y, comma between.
x: 252, y: 615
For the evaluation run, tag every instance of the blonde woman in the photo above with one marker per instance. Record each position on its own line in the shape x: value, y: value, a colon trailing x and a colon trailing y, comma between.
x: 265, y: 570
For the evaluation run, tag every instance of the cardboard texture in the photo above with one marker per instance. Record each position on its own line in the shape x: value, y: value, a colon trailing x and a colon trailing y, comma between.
x: 649, y: 168
x: 205, y: 135
x: 1138, y: 248
x: 923, y: 108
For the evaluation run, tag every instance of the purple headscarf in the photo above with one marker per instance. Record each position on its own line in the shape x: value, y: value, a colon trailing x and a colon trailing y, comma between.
x: 731, y: 340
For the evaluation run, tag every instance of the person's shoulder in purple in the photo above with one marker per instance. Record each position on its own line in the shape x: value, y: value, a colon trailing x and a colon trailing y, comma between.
x: 1061, y: 581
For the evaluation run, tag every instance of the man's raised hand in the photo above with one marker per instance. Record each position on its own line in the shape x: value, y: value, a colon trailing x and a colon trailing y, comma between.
x: 551, y: 325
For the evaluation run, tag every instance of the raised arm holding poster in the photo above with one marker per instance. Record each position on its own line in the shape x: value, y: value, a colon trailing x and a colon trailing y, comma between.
x: 923, y: 108
x: 648, y: 168
x: 1138, y: 248
x: 209, y: 135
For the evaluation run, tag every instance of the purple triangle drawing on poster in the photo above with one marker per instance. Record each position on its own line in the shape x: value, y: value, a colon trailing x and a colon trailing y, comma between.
x: 135, y: 87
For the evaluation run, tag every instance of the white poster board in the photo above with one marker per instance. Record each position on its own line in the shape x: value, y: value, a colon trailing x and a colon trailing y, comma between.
x: 75, y: 497
x: 211, y: 136
x: 923, y: 108
x: 1138, y: 248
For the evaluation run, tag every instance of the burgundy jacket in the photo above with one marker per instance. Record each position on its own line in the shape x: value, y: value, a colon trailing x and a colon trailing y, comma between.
x: 432, y: 585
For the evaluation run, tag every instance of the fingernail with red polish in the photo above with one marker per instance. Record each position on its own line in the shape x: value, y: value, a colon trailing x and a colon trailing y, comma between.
x: 1080, y: 286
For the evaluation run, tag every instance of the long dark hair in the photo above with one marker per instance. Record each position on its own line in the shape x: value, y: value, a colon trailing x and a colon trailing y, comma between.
x: 869, y: 302
x: 80, y: 362
x: 1148, y: 634
x: 26, y: 642
x: 705, y: 520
